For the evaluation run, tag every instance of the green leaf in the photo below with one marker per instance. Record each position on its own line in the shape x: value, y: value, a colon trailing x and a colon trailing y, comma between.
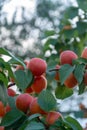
x: 46, y: 100
x: 51, y: 41
x: 82, y: 88
x: 48, y: 33
x: 82, y: 4
x: 6, y: 66
x: 82, y: 27
x: 3, y: 51
x: 73, y: 123
x: 3, y: 78
x: 11, y: 102
x: 63, y: 92
x: 33, y: 116
x: 81, y: 60
x: 69, y: 33
x: 65, y: 71
x: 11, y: 117
x: 24, y: 78
x: 71, y: 12
x: 3, y: 93
x: 35, y: 126
x: 26, y: 122
x: 79, y: 72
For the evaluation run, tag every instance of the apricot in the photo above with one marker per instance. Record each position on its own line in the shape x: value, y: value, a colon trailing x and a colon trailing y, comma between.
x: 2, y: 109
x: 85, y: 78
x: 71, y: 81
x: 11, y: 92
x: 84, y: 53
x: 20, y: 67
x: 1, y: 127
x: 52, y: 116
x: 23, y: 101
x: 37, y: 66
x: 39, y: 84
x: 7, y: 108
x: 29, y: 90
x: 66, y: 57
x: 57, y: 73
x: 35, y: 108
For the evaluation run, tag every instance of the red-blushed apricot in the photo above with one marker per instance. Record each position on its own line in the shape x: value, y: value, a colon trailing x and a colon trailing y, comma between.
x: 35, y: 108
x: 11, y: 92
x: 85, y: 78
x: 29, y: 90
x: 2, y: 128
x: 2, y: 109
x: 7, y: 108
x: 57, y: 73
x: 40, y: 83
x: 23, y: 101
x: 66, y: 57
x: 71, y: 81
x: 37, y: 66
x: 20, y: 67
x: 52, y: 116
x: 84, y: 53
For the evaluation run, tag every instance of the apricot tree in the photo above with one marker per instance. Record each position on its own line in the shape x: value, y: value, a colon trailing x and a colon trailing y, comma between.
x: 38, y: 109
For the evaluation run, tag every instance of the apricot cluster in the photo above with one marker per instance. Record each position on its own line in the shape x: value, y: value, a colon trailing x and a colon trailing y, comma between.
x: 31, y: 106
x: 67, y: 57
x: 38, y: 68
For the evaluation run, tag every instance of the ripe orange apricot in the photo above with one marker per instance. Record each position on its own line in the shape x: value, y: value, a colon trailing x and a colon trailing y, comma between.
x: 1, y: 127
x: 35, y: 108
x: 39, y: 84
x: 7, y: 108
x: 29, y: 90
x: 85, y: 78
x: 52, y: 116
x: 71, y: 81
x: 11, y: 92
x: 66, y: 57
x: 84, y: 53
x: 37, y: 66
x: 57, y: 73
x: 20, y: 67
x: 2, y: 109
x: 23, y: 101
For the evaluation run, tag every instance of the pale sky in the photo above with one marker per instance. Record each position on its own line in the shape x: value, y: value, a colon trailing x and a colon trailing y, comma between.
x: 16, y: 4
